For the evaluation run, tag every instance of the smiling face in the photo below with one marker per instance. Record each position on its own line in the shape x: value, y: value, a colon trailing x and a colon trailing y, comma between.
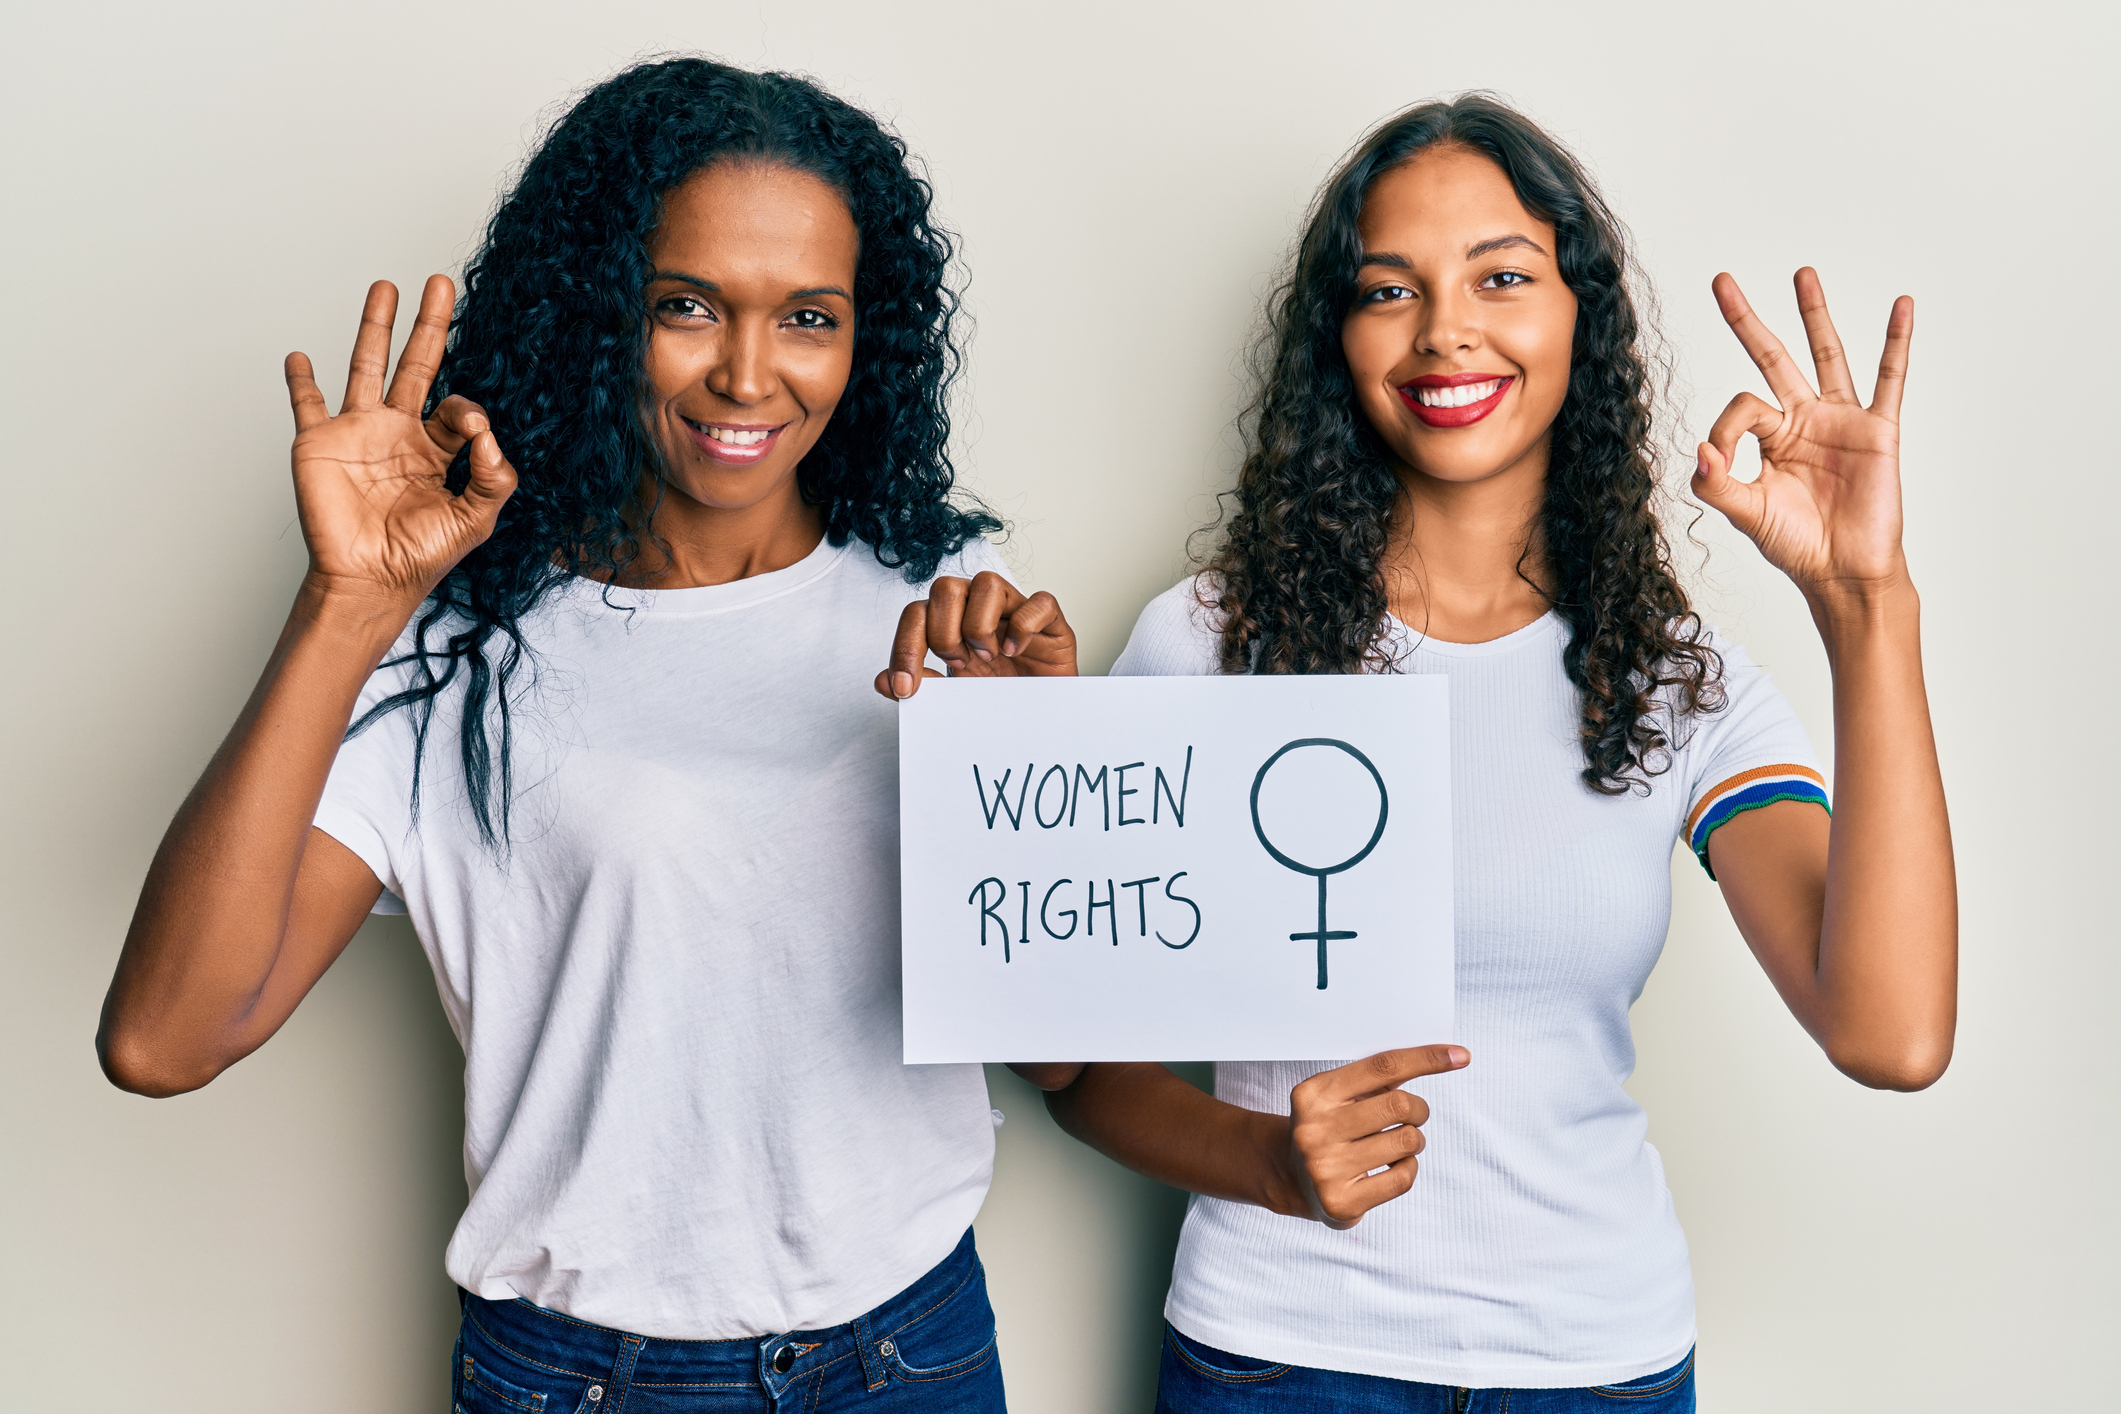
x: 750, y: 329
x: 1460, y: 333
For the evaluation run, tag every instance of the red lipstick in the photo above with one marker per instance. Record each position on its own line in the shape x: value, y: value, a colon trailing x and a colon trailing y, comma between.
x: 1463, y: 415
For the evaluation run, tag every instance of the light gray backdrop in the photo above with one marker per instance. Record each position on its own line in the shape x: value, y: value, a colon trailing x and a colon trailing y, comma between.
x: 193, y: 190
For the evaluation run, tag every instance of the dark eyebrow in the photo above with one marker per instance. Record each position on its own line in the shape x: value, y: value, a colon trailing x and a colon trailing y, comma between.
x: 682, y: 278
x: 1474, y: 252
x: 1386, y: 257
x: 697, y: 283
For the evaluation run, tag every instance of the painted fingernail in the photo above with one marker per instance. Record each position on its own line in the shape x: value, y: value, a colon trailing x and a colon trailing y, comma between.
x: 902, y: 685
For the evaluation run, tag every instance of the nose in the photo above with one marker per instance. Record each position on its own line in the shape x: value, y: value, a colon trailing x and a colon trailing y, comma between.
x: 743, y: 372
x: 1450, y: 324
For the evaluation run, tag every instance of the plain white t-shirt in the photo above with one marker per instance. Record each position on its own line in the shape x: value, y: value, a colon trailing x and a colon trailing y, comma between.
x: 1539, y: 1247
x: 678, y: 992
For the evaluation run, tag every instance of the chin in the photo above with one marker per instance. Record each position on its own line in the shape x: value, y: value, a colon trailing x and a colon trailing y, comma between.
x: 723, y: 491
x: 1457, y: 457
x: 1458, y: 467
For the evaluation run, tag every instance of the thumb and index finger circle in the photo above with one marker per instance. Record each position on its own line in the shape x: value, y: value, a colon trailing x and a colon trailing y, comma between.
x: 493, y: 479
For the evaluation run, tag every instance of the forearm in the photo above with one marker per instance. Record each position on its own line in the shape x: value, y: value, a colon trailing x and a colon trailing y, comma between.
x: 213, y: 913
x: 1887, y: 972
x: 1149, y: 1119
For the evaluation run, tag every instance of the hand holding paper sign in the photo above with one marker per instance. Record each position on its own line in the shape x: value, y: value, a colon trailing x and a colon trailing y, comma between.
x: 981, y: 628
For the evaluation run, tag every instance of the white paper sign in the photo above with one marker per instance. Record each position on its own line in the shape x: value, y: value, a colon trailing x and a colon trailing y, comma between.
x: 1179, y: 868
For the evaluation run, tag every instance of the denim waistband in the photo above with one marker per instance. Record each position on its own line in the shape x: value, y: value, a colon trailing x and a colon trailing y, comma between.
x: 579, y: 1349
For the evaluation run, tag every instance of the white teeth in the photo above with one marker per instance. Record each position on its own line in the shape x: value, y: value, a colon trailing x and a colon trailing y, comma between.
x: 1458, y: 397
x: 730, y: 436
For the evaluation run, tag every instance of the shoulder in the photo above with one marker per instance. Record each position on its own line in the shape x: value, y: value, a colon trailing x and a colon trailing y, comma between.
x: 1744, y: 722
x: 1733, y: 679
x: 1179, y: 633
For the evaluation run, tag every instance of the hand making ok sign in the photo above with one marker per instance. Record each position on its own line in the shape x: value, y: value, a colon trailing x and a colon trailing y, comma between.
x: 380, y: 524
x: 1825, y: 509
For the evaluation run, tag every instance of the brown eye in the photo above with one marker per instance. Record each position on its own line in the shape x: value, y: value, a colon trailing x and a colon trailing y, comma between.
x: 684, y: 307
x: 813, y: 319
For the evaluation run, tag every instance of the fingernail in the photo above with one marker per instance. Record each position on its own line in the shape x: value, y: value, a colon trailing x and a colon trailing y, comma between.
x: 1459, y: 1054
x: 985, y: 654
x: 902, y: 685
x: 1701, y: 464
x: 1010, y: 647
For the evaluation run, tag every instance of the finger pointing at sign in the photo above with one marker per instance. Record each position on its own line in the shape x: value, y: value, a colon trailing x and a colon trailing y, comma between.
x: 981, y: 627
x: 1354, y: 1134
x: 1348, y: 1144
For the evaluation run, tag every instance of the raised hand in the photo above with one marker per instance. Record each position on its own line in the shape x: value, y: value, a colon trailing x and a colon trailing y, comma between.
x: 1347, y: 1124
x: 382, y: 528
x: 981, y: 628
x: 1825, y: 509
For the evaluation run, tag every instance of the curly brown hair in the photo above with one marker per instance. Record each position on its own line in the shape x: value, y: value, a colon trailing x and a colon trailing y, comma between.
x: 1298, y: 575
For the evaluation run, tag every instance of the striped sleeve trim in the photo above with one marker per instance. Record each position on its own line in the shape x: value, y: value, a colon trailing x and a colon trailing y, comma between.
x: 1749, y: 790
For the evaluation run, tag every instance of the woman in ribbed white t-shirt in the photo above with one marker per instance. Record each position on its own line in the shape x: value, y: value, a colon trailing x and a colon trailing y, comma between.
x: 1451, y: 470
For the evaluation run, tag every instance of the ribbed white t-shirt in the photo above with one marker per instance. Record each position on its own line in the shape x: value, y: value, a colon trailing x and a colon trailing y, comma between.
x: 686, y: 1113
x: 1539, y: 1247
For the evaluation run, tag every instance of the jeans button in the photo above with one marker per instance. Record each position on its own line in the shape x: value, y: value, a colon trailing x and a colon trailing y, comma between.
x: 596, y: 1392
x: 889, y: 1347
x: 784, y: 1359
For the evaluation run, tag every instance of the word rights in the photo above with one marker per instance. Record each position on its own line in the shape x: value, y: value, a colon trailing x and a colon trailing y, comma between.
x: 1226, y: 868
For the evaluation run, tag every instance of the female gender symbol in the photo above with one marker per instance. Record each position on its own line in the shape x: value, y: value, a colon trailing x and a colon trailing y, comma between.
x: 1323, y: 935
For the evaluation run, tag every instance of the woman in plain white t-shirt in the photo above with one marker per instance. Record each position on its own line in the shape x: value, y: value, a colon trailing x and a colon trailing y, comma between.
x: 623, y: 768
x: 1450, y: 471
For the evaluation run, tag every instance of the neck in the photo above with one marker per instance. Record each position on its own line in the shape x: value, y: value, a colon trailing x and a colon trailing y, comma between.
x: 689, y: 544
x: 1460, y: 553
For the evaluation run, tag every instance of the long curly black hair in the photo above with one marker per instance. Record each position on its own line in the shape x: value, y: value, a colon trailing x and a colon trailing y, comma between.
x: 1297, y: 577
x: 550, y: 335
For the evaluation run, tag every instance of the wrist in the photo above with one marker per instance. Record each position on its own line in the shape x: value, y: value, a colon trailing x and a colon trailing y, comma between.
x: 369, y: 619
x: 1277, y: 1186
x: 1846, y: 606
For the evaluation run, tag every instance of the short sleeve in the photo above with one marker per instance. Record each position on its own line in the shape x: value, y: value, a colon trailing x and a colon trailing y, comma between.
x: 1754, y: 752
x: 1174, y: 637
x: 367, y: 801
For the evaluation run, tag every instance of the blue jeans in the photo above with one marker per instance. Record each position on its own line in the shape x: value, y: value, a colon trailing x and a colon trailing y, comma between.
x: 929, y: 1348
x: 1199, y: 1379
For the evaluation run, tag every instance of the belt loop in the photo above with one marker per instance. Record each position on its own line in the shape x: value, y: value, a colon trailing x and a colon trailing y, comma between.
x: 872, y: 1366
x: 621, y: 1379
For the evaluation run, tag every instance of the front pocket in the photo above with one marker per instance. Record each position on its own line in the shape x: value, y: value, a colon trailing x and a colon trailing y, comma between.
x: 895, y: 1355
x: 949, y: 1340
x: 1221, y: 1365
x: 484, y: 1392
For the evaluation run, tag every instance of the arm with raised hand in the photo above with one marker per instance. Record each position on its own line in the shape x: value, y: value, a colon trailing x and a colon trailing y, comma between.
x: 246, y: 904
x: 1855, y: 919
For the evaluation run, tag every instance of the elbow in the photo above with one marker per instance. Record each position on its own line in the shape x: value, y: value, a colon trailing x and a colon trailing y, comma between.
x: 1915, y: 1065
x: 136, y: 1065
